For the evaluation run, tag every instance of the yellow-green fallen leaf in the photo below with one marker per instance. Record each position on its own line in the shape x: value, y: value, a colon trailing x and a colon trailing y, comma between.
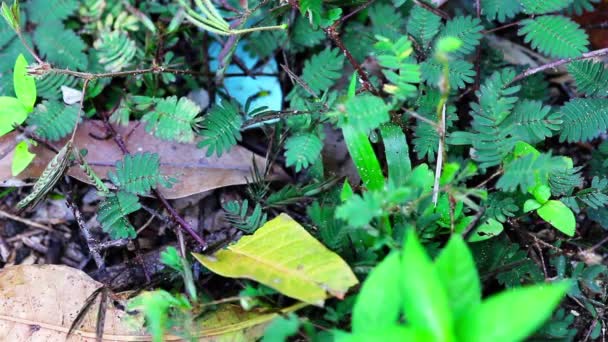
x: 21, y: 158
x: 284, y: 256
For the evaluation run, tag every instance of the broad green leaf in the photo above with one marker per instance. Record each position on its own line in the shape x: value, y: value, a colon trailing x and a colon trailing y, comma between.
x: 559, y: 216
x: 446, y: 45
x: 378, y: 304
x: 281, y: 328
x: 12, y: 112
x: 511, y: 315
x: 284, y: 256
x: 456, y: 269
x: 541, y: 193
x: 425, y: 301
x: 523, y: 148
x: 531, y: 204
x: 394, y: 333
x: 364, y: 157
x: 397, y: 154
x: 24, y: 84
x: 486, y: 231
x: 22, y: 158
x: 347, y: 191
x: 155, y: 305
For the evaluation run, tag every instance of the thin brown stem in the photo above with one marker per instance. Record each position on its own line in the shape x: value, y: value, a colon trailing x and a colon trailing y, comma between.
x: 25, y: 221
x: 560, y: 62
x: 515, y: 23
x: 332, y: 33
x: 353, y: 12
x: 432, y: 9
x: 91, y: 242
x: 28, y: 47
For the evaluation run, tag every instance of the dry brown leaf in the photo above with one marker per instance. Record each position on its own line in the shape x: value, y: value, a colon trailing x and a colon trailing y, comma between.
x: 196, y: 172
x: 40, y: 302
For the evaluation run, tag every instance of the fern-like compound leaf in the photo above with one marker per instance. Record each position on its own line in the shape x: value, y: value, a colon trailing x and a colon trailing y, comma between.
x: 491, y: 140
x: 115, y: 50
x: 332, y: 232
x: 386, y: 22
x: 322, y: 70
x: 544, y: 6
x: 44, y: 11
x: 563, y: 182
x: 460, y: 72
x: 113, y: 211
x: 221, y: 128
x: 532, y: 122
x: 394, y: 58
x: 60, y: 46
x: 139, y: 173
x: 302, y: 150
x: 578, y: 7
x: 238, y: 216
x: 49, y: 177
x: 423, y: 25
x: 583, y: 119
x: 171, y: 119
x: 426, y: 135
x: 555, y: 35
x: 53, y: 119
x: 524, y: 172
x: 595, y: 196
x: 500, y: 206
x: 591, y: 77
x: 500, y: 9
x: 467, y: 29
x: 49, y: 85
